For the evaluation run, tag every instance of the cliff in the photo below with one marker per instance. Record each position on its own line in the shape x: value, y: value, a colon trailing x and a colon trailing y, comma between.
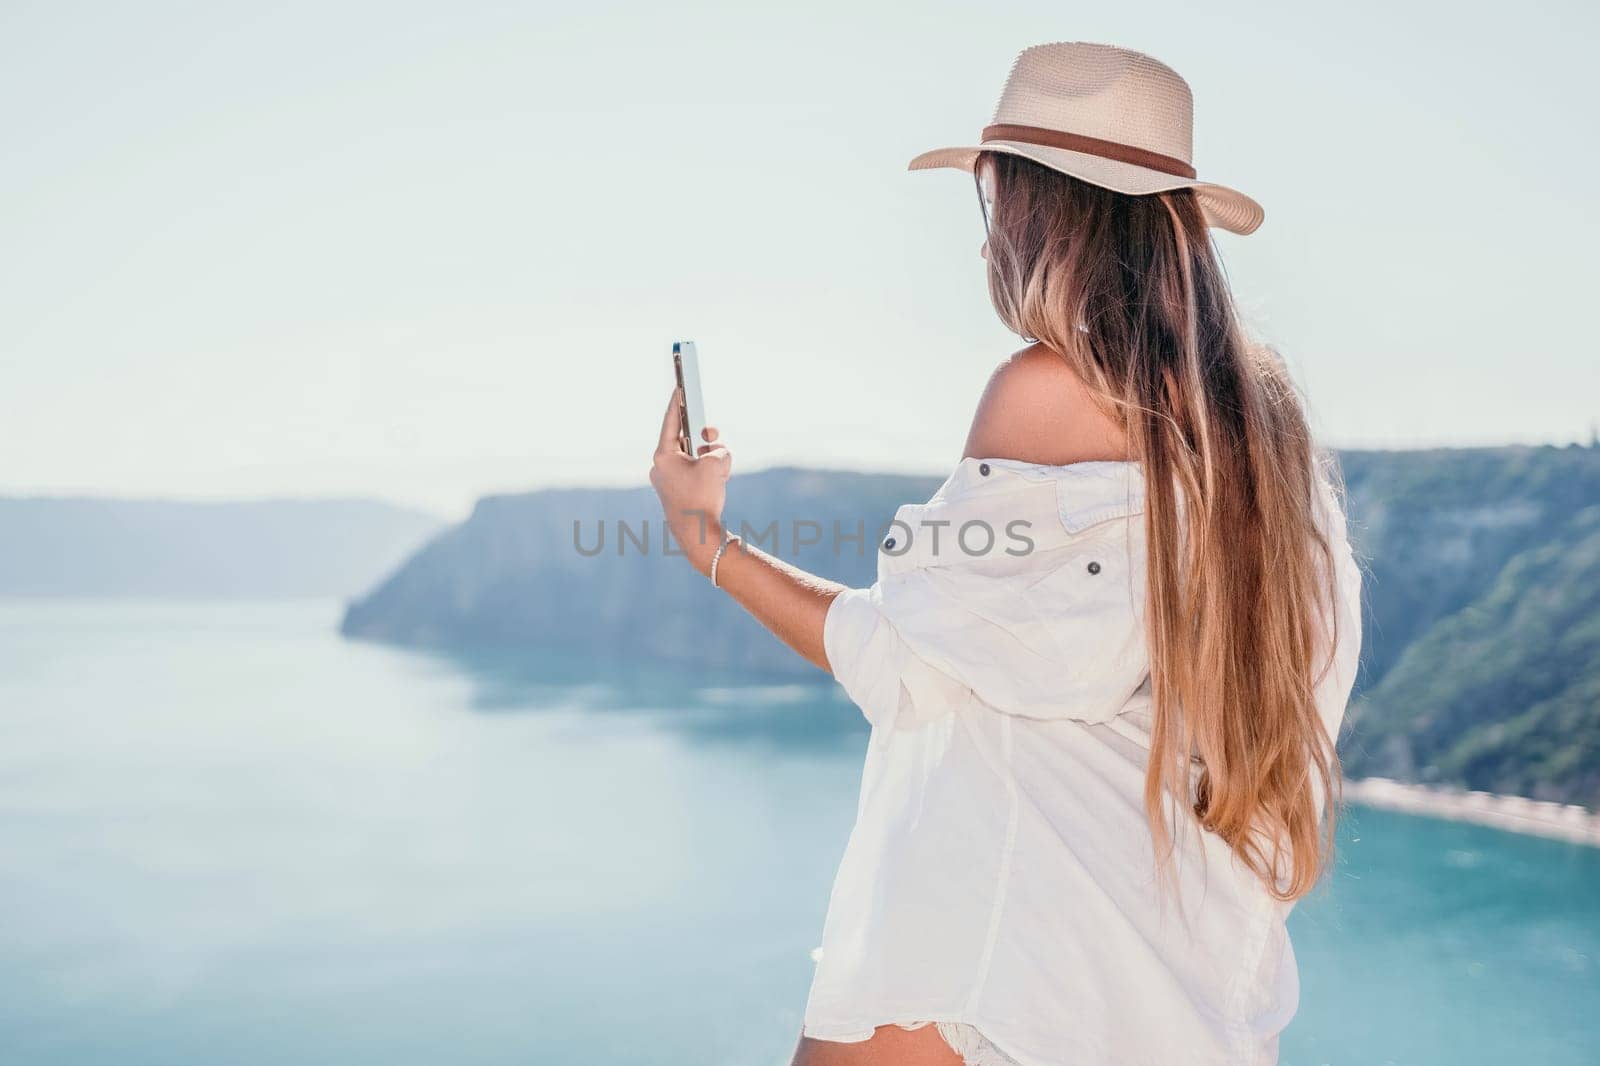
x: 1481, y: 660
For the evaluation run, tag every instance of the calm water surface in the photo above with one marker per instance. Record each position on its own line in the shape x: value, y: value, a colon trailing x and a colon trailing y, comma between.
x: 229, y: 836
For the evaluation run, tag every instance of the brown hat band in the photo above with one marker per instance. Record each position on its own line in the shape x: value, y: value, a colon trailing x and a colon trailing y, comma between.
x: 1074, y: 142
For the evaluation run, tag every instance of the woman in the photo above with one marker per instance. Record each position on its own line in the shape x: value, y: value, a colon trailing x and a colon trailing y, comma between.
x: 1105, y: 664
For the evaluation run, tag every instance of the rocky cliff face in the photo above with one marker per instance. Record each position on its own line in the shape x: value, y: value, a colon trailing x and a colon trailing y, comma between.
x: 1481, y: 665
x: 588, y: 569
x: 1481, y: 660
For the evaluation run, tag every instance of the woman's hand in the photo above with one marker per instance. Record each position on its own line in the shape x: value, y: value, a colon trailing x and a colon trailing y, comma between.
x: 692, y: 491
x: 784, y: 598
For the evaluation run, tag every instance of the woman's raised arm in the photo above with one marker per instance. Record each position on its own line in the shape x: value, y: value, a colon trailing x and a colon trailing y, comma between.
x: 786, y: 599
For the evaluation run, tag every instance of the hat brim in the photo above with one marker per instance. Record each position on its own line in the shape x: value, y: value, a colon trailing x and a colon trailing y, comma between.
x: 1223, y: 207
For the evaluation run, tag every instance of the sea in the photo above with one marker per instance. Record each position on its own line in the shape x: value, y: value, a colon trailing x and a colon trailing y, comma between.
x: 230, y: 836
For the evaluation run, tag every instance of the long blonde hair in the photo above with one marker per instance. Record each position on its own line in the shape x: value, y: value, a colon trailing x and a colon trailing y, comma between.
x: 1129, y: 290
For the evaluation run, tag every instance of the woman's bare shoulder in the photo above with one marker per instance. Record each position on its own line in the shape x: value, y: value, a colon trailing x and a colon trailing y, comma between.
x: 1036, y: 409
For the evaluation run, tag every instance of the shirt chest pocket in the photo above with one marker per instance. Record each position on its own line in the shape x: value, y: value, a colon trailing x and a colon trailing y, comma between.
x: 1089, y: 602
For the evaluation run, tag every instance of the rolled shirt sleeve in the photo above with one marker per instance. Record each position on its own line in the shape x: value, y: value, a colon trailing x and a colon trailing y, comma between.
x: 878, y: 669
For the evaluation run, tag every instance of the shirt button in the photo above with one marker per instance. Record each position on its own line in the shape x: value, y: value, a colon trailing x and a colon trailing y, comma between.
x: 983, y: 468
x: 1094, y: 568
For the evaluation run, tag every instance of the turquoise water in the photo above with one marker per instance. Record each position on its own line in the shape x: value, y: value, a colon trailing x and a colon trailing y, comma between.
x: 229, y: 836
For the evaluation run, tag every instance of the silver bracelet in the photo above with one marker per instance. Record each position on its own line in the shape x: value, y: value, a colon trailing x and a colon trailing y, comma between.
x: 727, y: 539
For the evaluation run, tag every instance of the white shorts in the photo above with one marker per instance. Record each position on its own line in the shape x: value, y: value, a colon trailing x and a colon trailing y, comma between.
x: 973, y: 1047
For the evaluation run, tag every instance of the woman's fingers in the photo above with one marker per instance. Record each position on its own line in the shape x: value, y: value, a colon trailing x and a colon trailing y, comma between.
x: 707, y: 448
x: 710, y: 433
x: 670, y: 423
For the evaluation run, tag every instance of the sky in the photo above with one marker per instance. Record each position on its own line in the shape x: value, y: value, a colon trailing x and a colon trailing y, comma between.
x: 427, y: 252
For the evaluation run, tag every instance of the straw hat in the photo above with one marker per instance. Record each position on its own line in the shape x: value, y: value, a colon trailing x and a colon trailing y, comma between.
x: 1113, y: 117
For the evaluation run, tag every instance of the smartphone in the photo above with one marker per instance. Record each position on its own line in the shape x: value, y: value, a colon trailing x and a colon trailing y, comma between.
x: 692, y: 413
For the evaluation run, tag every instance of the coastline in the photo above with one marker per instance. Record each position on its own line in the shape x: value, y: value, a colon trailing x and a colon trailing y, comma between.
x: 1560, y: 821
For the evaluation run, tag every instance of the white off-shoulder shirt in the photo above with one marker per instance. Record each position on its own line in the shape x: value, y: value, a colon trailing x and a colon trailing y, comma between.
x: 1001, y: 871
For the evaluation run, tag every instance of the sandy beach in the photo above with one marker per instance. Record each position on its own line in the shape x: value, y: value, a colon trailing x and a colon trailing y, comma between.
x: 1563, y: 821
